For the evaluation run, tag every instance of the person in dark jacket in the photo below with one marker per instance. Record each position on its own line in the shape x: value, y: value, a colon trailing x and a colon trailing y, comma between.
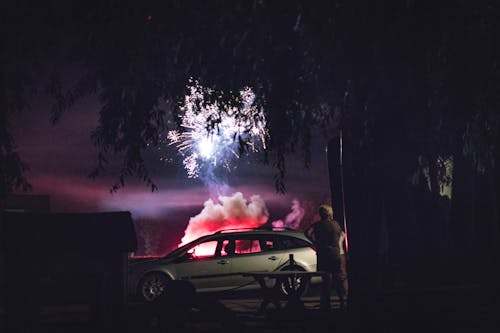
x: 326, y: 235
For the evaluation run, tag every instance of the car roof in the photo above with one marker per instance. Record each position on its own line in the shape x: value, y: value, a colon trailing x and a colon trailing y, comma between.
x: 262, y: 231
x: 243, y: 231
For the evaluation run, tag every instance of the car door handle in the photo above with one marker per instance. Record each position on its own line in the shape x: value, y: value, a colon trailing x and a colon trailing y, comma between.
x: 272, y: 258
x: 223, y: 262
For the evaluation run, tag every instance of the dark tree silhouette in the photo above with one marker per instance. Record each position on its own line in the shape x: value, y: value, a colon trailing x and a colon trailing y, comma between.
x: 413, y: 85
x: 416, y: 71
x: 23, y: 37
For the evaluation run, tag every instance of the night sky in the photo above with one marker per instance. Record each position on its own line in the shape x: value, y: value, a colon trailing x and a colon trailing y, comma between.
x: 60, y: 157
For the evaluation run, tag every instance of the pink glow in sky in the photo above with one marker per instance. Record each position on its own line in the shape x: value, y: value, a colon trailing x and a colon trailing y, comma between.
x: 60, y: 157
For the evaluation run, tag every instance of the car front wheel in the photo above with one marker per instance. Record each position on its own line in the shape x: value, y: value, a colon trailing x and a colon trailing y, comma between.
x: 152, y: 286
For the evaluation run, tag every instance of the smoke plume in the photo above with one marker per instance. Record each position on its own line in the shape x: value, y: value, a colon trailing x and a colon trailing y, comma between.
x: 293, y: 219
x: 233, y: 212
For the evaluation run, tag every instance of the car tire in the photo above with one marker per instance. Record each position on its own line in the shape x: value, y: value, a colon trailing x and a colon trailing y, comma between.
x: 152, y: 285
x: 285, y: 287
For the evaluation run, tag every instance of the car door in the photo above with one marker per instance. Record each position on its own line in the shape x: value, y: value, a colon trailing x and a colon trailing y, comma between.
x: 304, y: 254
x: 254, y: 254
x: 204, y: 268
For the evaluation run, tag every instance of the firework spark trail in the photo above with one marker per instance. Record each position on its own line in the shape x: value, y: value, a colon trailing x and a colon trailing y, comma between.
x: 212, y: 131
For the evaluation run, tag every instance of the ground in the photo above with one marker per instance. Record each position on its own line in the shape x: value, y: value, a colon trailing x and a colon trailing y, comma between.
x: 459, y: 309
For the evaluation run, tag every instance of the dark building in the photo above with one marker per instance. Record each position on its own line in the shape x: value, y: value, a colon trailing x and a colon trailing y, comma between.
x: 59, y: 261
x: 19, y: 203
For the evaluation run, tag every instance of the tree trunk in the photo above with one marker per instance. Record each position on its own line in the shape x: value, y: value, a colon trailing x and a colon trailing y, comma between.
x: 462, y: 211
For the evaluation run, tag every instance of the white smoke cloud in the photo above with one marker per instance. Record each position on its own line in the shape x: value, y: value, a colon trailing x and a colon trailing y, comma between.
x: 232, y: 212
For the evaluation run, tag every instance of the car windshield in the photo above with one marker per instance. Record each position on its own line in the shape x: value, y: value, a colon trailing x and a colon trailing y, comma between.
x: 178, y: 251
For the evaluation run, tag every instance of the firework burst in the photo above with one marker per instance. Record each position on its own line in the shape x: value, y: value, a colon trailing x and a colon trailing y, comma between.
x: 213, y: 131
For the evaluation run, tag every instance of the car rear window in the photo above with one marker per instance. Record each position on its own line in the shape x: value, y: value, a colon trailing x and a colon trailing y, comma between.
x: 288, y: 242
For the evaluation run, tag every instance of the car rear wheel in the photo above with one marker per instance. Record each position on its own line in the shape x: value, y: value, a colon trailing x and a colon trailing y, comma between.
x: 297, y: 286
x: 152, y: 286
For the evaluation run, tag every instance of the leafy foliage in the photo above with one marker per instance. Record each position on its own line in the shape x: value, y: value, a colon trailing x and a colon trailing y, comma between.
x: 412, y: 79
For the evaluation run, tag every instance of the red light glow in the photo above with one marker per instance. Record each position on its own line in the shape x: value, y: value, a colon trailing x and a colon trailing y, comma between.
x: 204, y: 250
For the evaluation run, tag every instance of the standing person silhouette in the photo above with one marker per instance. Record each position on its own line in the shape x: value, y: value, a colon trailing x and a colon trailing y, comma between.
x: 327, y: 235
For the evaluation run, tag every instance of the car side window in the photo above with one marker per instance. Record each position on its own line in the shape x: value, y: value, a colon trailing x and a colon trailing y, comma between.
x: 245, y: 246
x: 267, y: 244
x: 240, y: 246
x: 204, y: 250
x: 228, y: 247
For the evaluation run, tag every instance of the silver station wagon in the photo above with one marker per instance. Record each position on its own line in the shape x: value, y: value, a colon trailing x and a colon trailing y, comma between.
x: 214, y: 263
